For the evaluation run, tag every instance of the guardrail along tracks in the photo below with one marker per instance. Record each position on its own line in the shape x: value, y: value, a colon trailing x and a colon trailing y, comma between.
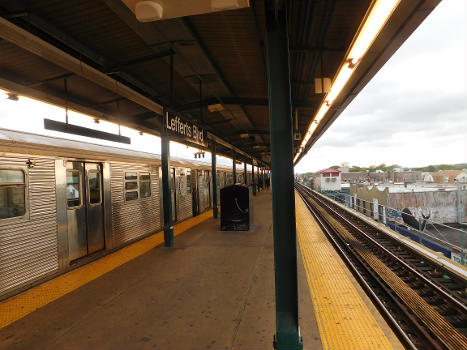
x: 425, y: 304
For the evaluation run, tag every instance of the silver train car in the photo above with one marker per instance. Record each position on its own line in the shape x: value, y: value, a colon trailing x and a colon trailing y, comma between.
x: 64, y: 203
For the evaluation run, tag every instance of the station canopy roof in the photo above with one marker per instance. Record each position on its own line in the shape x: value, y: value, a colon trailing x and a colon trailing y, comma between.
x: 97, y: 58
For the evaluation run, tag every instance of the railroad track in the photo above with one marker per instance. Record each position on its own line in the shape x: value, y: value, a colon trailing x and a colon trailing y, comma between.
x: 425, y: 304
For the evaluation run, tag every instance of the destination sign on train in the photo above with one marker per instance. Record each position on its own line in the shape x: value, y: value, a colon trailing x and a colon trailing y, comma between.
x: 185, y: 130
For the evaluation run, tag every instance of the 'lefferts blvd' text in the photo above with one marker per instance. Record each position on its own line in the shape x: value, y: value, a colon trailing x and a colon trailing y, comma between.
x: 185, y: 129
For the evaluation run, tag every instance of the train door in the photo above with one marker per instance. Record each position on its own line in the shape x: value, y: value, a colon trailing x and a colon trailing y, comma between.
x: 85, y: 209
x: 209, y: 185
x: 194, y: 192
x: 173, y: 188
x: 206, y: 189
x: 201, y: 191
x: 219, y: 186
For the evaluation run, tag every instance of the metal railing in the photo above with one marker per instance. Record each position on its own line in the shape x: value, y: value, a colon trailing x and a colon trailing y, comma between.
x: 451, y: 238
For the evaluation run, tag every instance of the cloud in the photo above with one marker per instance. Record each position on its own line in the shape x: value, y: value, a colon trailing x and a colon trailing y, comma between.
x: 416, y: 102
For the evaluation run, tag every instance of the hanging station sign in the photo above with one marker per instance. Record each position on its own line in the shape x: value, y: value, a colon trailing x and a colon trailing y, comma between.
x: 185, y: 130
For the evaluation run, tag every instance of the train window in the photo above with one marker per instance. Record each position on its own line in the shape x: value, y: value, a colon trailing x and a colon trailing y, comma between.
x: 12, y: 193
x: 131, y: 185
x: 144, y: 176
x: 145, y: 185
x: 131, y: 195
x: 14, y: 177
x: 131, y: 176
x: 73, y: 188
x: 94, y: 183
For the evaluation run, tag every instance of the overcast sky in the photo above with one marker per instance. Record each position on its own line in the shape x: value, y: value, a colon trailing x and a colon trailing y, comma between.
x: 413, y: 112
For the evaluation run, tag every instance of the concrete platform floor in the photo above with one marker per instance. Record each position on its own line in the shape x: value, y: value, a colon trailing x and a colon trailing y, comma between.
x: 214, y: 290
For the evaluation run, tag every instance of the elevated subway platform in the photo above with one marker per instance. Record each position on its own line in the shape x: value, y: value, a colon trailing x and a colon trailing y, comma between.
x: 346, y: 318
x: 213, y: 290
x: 185, y: 71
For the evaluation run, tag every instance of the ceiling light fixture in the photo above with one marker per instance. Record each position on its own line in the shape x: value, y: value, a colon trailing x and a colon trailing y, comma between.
x: 217, y: 107
x: 372, y: 25
x: 380, y: 12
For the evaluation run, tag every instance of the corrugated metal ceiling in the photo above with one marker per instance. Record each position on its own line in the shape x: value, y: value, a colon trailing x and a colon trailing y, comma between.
x: 224, y: 51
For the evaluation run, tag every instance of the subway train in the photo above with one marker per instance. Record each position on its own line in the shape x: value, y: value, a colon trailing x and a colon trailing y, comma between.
x: 64, y: 203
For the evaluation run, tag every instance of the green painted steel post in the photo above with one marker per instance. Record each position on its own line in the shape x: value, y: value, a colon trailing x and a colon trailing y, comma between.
x: 283, y: 198
x: 245, y: 174
x: 215, y: 212
x: 234, y: 168
x: 257, y: 179
x: 253, y: 178
x: 166, y: 195
x: 263, y: 173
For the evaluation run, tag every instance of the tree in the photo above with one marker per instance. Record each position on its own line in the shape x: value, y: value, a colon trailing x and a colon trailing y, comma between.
x: 391, y: 167
x: 355, y: 169
x: 382, y: 166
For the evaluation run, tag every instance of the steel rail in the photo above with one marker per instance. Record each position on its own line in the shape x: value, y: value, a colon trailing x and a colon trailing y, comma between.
x: 403, y: 336
x: 430, y: 318
x: 438, y: 288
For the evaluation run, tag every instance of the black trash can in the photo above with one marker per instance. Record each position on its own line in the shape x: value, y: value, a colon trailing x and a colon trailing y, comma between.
x: 235, y: 208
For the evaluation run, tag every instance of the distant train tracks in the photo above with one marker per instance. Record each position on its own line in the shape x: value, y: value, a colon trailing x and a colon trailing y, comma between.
x: 425, y: 303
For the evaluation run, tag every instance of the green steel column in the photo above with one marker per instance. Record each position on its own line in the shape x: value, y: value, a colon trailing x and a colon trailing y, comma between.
x: 283, y: 201
x: 166, y: 195
x: 263, y: 179
x: 245, y: 174
x: 234, y: 168
x: 253, y: 183
x: 257, y: 178
x: 214, y: 181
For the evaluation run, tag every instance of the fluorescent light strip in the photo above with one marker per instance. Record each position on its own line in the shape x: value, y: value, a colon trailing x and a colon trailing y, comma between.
x: 375, y: 21
x: 342, y: 78
x: 381, y: 11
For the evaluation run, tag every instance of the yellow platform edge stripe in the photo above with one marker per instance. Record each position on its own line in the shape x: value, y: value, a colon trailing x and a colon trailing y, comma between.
x: 24, y: 303
x: 343, y: 319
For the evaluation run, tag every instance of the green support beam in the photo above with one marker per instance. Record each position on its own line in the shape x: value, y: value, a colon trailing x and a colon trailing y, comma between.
x: 245, y: 174
x: 214, y: 181
x: 253, y: 182
x: 234, y: 168
x: 166, y: 195
x: 283, y: 201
